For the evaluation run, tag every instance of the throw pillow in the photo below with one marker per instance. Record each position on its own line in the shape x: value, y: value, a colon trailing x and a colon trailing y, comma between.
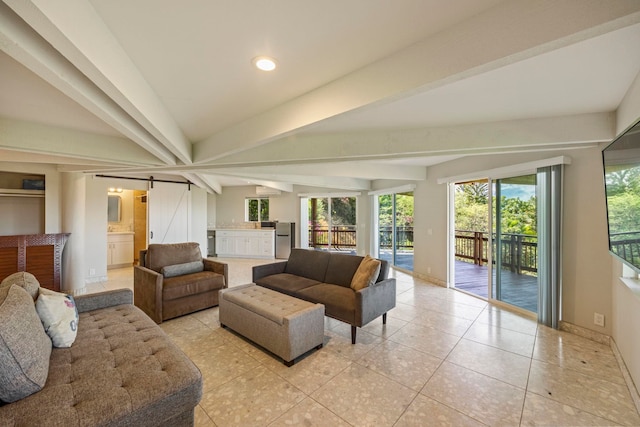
x: 59, y: 316
x: 25, y: 280
x: 182, y: 269
x: 24, y: 346
x: 366, y: 274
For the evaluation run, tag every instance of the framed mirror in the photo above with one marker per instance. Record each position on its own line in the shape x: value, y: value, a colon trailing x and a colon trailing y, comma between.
x: 113, y: 209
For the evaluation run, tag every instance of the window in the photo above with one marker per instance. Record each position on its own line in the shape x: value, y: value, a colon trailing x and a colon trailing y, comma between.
x: 256, y: 209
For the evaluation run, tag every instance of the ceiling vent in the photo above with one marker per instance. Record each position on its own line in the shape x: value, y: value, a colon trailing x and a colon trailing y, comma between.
x: 267, y: 191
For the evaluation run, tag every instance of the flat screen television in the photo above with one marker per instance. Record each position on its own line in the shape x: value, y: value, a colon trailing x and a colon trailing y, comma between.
x: 621, y: 160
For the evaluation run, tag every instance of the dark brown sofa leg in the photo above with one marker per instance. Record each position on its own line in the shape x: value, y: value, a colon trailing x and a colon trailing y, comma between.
x: 353, y: 334
x: 384, y: 319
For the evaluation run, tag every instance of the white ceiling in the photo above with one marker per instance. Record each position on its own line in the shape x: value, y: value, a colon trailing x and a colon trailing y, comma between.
x: 364, y: 89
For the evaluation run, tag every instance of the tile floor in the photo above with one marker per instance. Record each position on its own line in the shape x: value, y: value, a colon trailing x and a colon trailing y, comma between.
x: 444, y: 358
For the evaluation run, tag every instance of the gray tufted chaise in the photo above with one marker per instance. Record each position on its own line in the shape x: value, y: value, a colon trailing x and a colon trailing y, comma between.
x: 122, y: 370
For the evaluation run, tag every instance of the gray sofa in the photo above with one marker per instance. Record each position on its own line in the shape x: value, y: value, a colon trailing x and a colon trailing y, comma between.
x: 122, y: 370
x: 325, y: 278
x: 173, y: 279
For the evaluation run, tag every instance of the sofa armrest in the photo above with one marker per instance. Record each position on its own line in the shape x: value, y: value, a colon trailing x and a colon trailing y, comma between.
x: 105, y: 299
x: 147, y: 292
x: 264, y: 270
x: 375, y: 300
x: 217, y: 267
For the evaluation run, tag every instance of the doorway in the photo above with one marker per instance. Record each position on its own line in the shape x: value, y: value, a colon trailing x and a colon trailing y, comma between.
x: 332, y: 223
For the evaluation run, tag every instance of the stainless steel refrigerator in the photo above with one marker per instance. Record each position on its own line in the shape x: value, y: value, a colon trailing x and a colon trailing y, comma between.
x: 285, y: 239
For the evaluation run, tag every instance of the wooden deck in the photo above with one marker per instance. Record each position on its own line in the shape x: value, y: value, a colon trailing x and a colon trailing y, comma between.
x: 517, y: 289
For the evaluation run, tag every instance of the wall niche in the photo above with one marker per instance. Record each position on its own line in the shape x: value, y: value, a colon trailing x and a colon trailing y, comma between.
x: 21, y: 203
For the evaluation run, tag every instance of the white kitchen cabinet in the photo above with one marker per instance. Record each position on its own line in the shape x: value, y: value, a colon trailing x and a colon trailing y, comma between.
x: 119, y: 250
x: 245, y: 243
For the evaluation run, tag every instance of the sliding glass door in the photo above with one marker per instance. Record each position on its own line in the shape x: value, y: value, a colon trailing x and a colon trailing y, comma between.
x: 395, y: 229
x: 518, y: 261
x: 515, y: 242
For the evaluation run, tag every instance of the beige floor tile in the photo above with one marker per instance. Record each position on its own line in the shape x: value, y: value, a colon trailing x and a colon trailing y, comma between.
x: 444, y: 322
x: 540, y: 411
x: 377, y: 328
x: 255, y: 398
x: 309, y: 413
x: 426, y: 412
x: 506, y: 319
x: 446, y: 306
x: 504, y: 339
x: 499, y: 364
x: 339, y: 342
x: 201, y: 419
x: 223, y: 364
x: 202, y: 342
x: 590, y: 358
x: 363, y: 397
x: 313, y: 371
x: 407, y: 366
x: 476, y: 395
x: 594, y: 395
x: 404, y: 312
x: 426, y: 339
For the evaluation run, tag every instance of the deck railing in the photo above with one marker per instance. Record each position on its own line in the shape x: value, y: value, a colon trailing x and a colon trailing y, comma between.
x: 344, y: 237
x: 519, y: 251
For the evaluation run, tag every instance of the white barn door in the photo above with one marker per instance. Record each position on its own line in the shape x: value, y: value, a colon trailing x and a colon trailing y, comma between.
x: 169, y: 213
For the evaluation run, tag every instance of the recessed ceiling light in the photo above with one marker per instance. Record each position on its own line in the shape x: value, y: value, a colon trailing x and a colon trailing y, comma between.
x: 264, y: 63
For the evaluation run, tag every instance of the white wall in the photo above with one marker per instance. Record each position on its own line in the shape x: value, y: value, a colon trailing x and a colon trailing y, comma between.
x: 198, y: 231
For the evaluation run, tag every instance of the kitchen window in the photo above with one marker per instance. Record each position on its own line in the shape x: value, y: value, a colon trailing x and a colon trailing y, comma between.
x: 256, y: 209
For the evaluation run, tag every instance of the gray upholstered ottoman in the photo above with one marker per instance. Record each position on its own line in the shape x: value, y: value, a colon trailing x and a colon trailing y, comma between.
x: 284, y: 325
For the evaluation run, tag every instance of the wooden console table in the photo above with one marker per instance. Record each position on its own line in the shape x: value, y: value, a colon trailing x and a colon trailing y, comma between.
x: 38, y: 254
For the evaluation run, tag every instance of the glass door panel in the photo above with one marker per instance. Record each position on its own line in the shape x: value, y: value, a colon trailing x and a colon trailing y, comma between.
x: 515, y: 242
x: 403, y: 230
x: 385, y: 227
x: 395, y: 229
x: 319, y: 224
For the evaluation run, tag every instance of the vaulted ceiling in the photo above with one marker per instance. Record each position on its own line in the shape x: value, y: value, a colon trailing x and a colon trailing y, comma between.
x: 364, y: 89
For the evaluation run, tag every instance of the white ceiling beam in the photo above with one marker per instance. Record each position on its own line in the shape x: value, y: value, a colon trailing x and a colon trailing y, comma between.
x: 287, y: 187
x: 207, y: 182
x: 490, y: 40
x: 81, y: 36
x: 514, y: 135
x: 31, y: 137
x: 343, y: 183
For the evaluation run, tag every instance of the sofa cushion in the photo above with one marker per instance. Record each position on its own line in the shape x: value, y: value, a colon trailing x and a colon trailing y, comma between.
x: 308, y: 263
x: 25, y: 280
x: 366, y: 274
x: 160, y: 255
x: 341, y: 269
x: 191, y: 284
x: 286, y: 283
x: 24, y: 346
x: 182, y: 269
x: 59, y: 316
x: 339, y: 301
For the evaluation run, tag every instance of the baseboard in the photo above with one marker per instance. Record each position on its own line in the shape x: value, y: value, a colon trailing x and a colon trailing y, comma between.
x: 627, y: 376
x: 585, y: 333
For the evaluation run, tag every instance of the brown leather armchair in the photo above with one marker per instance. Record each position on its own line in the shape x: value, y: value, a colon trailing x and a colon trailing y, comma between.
x: 174, y: 279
